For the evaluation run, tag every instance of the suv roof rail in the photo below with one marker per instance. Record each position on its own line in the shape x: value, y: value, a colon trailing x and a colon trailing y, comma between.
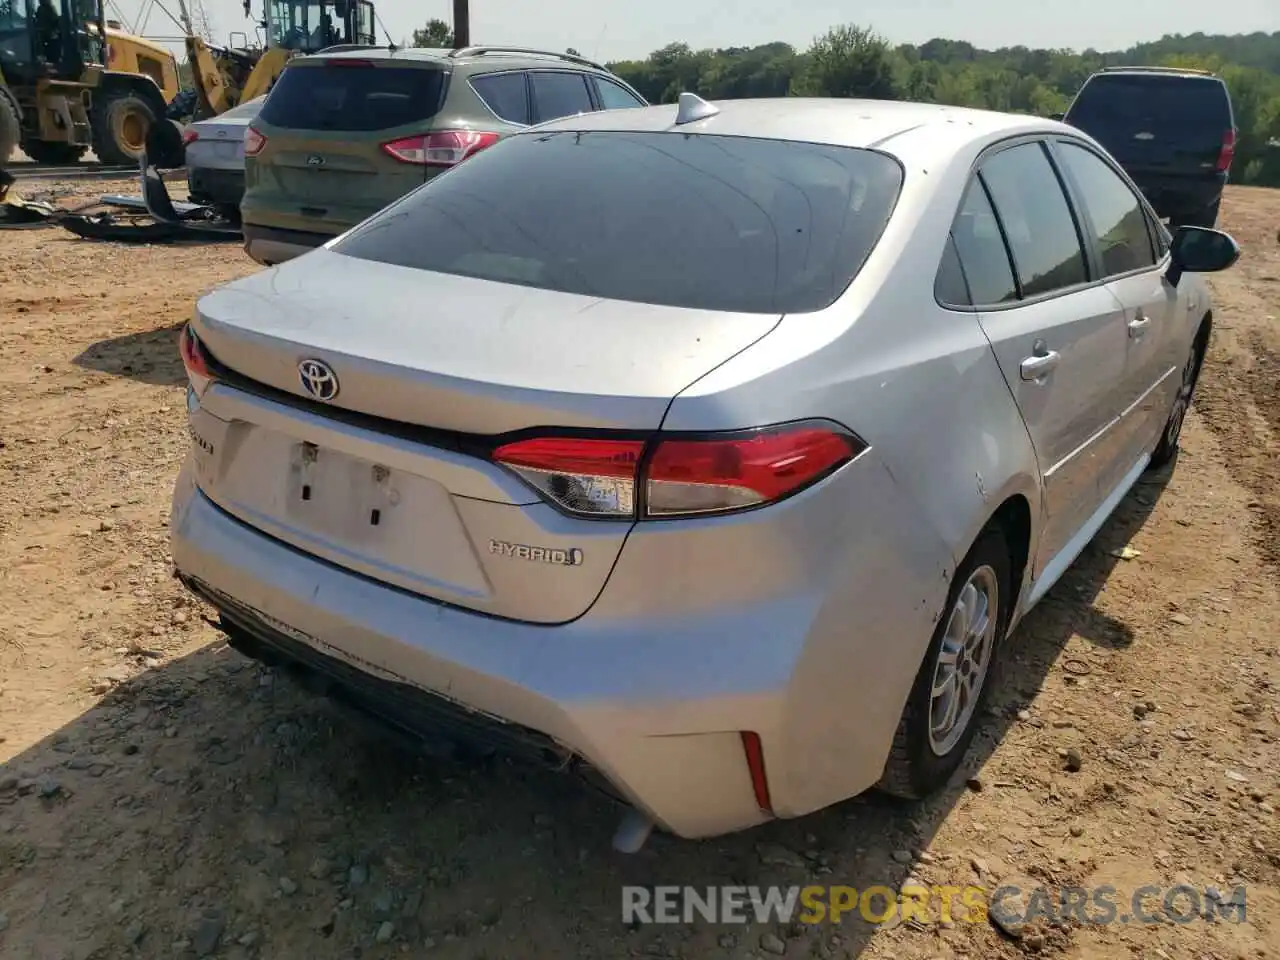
x: 481, y: 51
x: 1135, y: 69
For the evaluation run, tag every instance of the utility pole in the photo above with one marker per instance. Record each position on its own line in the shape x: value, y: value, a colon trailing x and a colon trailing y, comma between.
x: 461, y: 24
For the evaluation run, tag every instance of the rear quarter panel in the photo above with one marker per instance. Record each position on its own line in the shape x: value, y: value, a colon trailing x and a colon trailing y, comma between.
x: 921, y: 386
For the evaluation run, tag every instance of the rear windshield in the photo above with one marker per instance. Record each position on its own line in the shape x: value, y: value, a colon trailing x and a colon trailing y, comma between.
x: 340, y: 96
x: 709, y: 222
x: 1128, y: 99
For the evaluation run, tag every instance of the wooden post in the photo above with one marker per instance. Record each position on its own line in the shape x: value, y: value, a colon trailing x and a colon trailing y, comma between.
x: 461, y: 24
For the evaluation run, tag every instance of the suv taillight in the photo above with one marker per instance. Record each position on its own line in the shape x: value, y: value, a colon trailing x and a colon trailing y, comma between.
x: 444, y: 148
x: 1228, y: 151
x: 677, y: 475
x: 194, y: 360
x: 189, y: 136
x: 253, y: 142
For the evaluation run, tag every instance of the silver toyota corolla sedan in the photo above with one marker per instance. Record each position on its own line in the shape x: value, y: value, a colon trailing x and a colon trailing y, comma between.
x: 710, y: 450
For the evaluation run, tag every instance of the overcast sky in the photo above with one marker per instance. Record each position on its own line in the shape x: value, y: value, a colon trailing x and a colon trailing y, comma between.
x: 612, y: 30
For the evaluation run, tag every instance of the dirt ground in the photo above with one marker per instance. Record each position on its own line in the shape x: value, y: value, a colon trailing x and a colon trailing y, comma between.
x: 161, y: 797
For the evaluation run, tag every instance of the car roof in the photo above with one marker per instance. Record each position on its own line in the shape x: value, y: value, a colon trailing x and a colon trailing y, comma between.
x: 911, y: 131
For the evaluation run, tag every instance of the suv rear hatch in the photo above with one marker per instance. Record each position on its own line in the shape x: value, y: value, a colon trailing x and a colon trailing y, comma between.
x: 556, y: 292
x: 1175, y: 124
x: 325, y: 165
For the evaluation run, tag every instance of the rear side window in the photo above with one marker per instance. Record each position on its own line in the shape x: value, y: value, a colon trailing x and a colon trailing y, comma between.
x: 506, y: 94
x: 1036, y: 219
x: 981, y: 252
x: 1152, y: 101
x: 698, y: 221
x: 614, y: 96
x: 341, y: 96
x: 559, y: 94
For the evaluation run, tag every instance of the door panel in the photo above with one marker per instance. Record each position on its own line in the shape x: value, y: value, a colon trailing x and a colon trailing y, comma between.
x: 1067, y: 408
x: 1131, y: 261
x: 1058, y: 336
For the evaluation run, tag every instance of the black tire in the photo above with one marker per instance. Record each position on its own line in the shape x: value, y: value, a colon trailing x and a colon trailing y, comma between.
x: 916, y: 767
x: 121, y: 120
x: 45, y: 151
x: 10, y: 127
x: 1171, y: 433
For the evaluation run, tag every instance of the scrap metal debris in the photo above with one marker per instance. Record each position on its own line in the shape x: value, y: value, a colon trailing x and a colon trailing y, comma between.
x: 151, y: 218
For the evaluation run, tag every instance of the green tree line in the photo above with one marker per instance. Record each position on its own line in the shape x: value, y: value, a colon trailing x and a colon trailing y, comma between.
x: 852, y: 61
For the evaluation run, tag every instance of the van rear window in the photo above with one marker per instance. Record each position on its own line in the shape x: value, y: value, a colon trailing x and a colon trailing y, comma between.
x: 342, y: 95
x: 1153, y: 101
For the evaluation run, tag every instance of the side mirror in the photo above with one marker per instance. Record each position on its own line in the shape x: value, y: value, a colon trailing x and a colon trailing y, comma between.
x: 1057, y: 116
x: 1201, y: 250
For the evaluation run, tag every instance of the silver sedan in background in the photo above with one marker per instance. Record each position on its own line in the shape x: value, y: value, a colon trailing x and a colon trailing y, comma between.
x: 215, y: 157
x: 712, y: 451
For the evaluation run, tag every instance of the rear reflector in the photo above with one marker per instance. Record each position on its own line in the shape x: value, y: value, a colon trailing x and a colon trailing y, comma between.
x: 193, y: 359
x: 444, y: 148
x: 752, y: 747
x: 1228, y: 151
x: 253, y: 142
x: 680, y: 476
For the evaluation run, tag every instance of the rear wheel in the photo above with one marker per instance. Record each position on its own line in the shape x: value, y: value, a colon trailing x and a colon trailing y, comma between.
x: 44, y: 151
x: 951, y: 688
x: 1167, y: 447
x: 121, y: 121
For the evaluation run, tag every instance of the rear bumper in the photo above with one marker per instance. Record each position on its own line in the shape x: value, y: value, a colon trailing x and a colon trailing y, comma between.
x: 447, y: 675
x: 650, y: 696
x: 270, y: 246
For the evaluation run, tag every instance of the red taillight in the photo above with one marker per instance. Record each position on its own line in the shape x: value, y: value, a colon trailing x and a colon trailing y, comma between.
x: 348, y: 63
x: 584, y: 476
x: 253, y: 142
x: 193, y: 359
x: 682, y: 476
x: 752, y: 747
x: 1228, y: 151
x: 189, y: 136
x: 444, y: 148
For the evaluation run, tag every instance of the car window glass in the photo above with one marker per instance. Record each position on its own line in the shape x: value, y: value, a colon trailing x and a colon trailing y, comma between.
x: 949, y: 286
x: 1036, y: 218
x: 560, y: 95
x: 1119, y: 222
x: 981, y: 251
x: 615, y: 97
x: 696, y: 221
x: 504, y: 94
x: 319, y: 96
x: 1154, y: 101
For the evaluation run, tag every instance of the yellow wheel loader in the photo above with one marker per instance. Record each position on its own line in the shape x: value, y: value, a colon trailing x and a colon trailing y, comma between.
x: 226, y: 76
x: 59, y: 97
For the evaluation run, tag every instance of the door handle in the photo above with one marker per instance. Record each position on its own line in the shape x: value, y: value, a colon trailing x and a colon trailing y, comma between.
x: 1037, y: 366
x: 1138, y: 325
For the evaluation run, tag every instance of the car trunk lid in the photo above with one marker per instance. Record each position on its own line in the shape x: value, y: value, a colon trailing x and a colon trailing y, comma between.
x: 389, y: 476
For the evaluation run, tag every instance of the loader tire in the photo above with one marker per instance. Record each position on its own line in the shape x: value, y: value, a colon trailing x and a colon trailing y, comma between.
x: 121, y: 120
x: 10, y: 127
x: 53, y: 153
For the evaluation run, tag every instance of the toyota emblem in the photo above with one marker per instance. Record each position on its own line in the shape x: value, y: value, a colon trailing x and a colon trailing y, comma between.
x: 315, y: 160
x: 318, y: 379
